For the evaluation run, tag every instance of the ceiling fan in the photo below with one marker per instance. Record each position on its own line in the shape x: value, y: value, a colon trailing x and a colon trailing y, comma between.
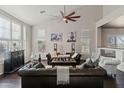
x: 70, y: 17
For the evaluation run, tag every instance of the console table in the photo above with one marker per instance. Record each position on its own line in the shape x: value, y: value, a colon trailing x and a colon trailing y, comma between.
x: 13, y: 60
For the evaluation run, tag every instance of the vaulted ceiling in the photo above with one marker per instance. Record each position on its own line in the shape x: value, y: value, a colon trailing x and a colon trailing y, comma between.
x: 31, y: 15
x: 117, y: 23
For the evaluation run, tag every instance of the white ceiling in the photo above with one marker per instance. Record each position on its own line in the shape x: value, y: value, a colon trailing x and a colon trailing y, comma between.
x: 30, y: 14
x: 119, y: 22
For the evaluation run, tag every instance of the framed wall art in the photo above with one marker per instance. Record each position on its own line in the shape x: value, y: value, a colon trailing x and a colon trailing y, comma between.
x: 56, y: 36
x: 71, y: 37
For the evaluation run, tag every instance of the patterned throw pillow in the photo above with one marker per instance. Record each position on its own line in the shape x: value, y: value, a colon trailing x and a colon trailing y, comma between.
x: 96, y: 62
x: 74, y: 55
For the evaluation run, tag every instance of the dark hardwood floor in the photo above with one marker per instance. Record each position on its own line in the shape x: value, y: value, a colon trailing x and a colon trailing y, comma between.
x: 14, y: 81
x: 118, y: 82
x: 10, y: 81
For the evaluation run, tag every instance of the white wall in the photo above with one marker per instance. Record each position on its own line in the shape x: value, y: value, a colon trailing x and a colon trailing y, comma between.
x: 29, y: 30
x: 89, y: 16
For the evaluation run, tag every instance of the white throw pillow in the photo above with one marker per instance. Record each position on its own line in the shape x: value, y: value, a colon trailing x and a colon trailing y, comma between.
x: 87, y: 60
x: 74, y: 55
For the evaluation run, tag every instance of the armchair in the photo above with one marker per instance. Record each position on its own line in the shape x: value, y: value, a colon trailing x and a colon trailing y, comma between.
x: 110, y: 65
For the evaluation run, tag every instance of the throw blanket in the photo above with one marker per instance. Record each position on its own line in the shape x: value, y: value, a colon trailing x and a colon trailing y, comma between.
x: 62, y: 75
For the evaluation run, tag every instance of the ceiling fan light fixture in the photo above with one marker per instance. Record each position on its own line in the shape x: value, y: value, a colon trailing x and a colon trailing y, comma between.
x: 70, y: 17
x: 64, y: 19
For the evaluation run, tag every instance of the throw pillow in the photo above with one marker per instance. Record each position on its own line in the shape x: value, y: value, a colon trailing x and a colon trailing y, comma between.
x: 31, y: 65
x: 74, y: 55
x: 39, y: 65
x: 89, y: 64
x: 82, y: 65
x: 95, y: 56
x: 96, y: 62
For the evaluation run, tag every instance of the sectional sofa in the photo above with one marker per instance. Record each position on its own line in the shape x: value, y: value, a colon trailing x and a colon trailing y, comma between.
x: 33, y: 77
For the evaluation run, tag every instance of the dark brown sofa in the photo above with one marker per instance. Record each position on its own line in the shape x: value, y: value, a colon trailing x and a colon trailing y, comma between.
x: 47, y: 78
x: 50, y: 60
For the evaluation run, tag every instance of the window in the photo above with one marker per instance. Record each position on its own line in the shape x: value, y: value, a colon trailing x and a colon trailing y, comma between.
x: 85, y: 41
x: 120, y: 41
x: 16, y: 36
x: 4, y: 29
x: 16, y: 31
x: 116, y: 41
x: 41, y: 40
x: 4, y: 47
x: 12, y: 36
x: 4, y: 36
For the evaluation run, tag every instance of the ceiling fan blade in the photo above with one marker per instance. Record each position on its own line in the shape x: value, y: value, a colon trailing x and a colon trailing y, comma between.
x: 71, y: 19
x: 62, y: 14
x: 71, y: 14
x: 75, y: 17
